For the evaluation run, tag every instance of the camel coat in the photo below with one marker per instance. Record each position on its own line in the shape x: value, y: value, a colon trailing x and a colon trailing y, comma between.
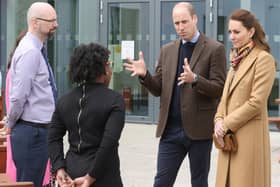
x: 243, y: 108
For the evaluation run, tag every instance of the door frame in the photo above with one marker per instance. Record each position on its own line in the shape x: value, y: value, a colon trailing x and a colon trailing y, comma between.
x: 3, y: 39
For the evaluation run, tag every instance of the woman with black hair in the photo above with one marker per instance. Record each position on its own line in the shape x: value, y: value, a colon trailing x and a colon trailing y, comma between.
x: 93, y: 115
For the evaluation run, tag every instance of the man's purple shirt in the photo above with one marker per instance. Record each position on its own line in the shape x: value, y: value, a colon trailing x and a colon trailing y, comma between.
x: 31, y: 97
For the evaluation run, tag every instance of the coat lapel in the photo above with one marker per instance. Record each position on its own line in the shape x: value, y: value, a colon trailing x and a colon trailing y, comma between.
x: 243, y: 68
x: 172, y: 62
x: 228, y: 82
x: 197, y: 51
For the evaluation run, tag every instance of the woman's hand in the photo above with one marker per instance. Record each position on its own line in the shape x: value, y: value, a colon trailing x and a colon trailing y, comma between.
x: 219, y: 128
x: 63, y: 179
x: 84, y: 181
x: 4, y: 130
x: 8, y: 131
x: 219, y: 131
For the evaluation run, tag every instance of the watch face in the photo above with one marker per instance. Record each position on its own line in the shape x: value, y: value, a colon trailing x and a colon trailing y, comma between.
x: 194, y: 78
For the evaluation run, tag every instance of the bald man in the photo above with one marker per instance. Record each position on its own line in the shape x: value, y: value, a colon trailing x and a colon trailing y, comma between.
x: 32, y: 95
x: 189, y: 79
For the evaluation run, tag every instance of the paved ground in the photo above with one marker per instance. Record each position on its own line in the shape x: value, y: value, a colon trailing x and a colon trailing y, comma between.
x: 138, y: 149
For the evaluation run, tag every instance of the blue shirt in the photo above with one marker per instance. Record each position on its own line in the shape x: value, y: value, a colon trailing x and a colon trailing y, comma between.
x: 194, y: 39
x: 30, y: 92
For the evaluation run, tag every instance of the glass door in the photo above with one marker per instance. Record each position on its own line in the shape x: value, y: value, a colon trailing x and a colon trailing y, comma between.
x: 125, y: 28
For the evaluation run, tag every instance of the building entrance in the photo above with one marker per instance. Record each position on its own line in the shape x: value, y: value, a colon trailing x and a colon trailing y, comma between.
x: 128, y: 27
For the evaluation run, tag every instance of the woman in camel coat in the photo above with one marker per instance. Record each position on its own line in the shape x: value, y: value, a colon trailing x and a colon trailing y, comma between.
x: 243, y: 106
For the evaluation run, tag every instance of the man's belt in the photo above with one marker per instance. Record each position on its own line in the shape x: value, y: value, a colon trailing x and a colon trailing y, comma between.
x: 33, y: 124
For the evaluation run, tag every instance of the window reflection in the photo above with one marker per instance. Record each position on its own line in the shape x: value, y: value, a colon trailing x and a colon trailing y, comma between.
x: 126, y: 24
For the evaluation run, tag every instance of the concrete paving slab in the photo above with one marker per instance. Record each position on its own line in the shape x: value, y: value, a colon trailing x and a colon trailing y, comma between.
x: 138, y: 151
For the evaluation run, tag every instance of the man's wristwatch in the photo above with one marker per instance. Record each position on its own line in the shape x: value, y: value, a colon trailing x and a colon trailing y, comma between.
x: 195, y: 78
x: 141, y: 79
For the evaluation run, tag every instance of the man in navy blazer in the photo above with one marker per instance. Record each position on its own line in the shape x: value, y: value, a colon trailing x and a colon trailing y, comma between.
x: 189, y: 79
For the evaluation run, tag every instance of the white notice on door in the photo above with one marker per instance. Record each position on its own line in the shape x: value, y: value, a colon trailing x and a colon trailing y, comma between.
x: 127, y: 49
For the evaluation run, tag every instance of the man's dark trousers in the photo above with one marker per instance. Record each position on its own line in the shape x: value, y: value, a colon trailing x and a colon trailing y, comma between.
x: 173, y: 147
x: 29, y: 150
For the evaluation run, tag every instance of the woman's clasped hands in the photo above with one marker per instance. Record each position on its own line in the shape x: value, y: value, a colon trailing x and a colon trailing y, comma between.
x: 64, y: 180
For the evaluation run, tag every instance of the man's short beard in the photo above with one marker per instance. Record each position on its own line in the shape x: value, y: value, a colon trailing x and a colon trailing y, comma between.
x: 50, y: 34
